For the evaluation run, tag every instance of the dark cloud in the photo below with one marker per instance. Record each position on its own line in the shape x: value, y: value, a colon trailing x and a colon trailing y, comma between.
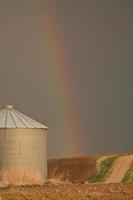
x: 97, y: 37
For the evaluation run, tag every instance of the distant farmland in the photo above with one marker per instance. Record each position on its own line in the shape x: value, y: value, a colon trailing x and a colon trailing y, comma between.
x: 92, y: 169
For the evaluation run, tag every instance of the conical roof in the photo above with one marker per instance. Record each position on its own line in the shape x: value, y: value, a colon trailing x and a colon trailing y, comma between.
x: 11, y: 118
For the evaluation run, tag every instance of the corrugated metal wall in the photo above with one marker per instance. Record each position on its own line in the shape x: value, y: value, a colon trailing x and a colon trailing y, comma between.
x: 23, y: 152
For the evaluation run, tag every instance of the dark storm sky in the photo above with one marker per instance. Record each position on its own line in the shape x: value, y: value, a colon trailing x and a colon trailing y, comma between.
x: 98, y: 39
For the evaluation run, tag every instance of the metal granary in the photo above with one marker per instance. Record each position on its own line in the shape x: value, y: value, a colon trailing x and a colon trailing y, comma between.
x: 23, y: 148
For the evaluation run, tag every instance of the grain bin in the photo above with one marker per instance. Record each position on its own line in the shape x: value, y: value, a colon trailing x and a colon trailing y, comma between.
x: 23, y: 148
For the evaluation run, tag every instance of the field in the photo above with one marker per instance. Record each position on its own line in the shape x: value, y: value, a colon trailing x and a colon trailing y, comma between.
x: 80, y: 179
x: 70, y: 192
x: 92, y: 169
x: 72, y: 169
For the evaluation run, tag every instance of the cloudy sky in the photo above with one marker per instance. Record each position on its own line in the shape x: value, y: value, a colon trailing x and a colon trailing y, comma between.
x: 69, y: 65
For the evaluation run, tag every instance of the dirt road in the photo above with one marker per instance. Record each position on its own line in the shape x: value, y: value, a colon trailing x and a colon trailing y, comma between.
x: 120, y: 167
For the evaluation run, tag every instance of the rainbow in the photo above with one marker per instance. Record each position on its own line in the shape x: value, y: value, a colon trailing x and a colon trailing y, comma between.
x: 61, y: 84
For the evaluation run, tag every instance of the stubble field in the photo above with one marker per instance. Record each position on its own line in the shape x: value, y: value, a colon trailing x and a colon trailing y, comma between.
x: 70, y: 192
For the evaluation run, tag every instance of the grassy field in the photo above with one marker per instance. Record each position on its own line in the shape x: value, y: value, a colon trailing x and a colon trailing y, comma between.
x: 91, y: 168
x: 129, y: 175
x: 103, y: 168
x: 72, y: 169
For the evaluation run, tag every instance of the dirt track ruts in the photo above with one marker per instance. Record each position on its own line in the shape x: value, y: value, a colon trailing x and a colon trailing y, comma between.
x: 119, y: 169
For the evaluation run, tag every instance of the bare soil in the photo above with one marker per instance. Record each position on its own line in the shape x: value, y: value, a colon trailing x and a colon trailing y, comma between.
x: 73, y: 170
x: 70, y: 192
x: 120, y: 167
